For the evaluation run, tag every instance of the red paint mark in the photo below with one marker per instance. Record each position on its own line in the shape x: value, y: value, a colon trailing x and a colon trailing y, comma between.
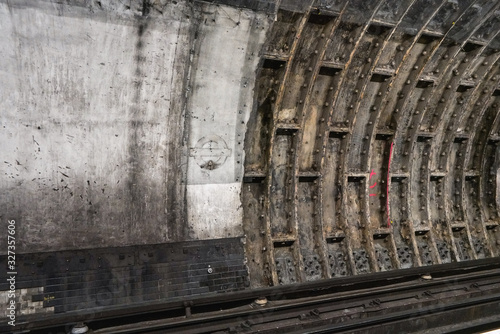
x: 371, y: 174
x: 388, y: 179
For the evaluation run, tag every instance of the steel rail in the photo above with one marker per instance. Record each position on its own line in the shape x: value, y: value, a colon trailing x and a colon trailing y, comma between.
x: 423, y: 293
x: 338, y: 289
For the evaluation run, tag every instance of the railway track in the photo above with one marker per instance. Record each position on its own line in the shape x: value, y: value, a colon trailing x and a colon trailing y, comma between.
x: 452, y: 300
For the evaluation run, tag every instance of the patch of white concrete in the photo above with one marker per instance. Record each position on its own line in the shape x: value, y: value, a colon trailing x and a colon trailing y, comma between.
x: 214, y: 210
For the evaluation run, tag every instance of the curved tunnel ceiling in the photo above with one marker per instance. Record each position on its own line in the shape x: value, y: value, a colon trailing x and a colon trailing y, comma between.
x: 373, y: 143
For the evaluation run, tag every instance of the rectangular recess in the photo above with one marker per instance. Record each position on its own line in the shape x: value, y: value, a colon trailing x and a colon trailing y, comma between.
x: 355, y: 178
x: 253, y: 179
x: 377, y: 29
x: 496, y: 92
x: 329, y: 71
x: 308, y: 178
x: 424, y: 83
x: 379, y: 236
x: 491, y: 227
x: 426, y: 39
x: 283, y: 243
x: 493, y: 140
x: 378, y: 77
x: 338, y: 134
x: 457, y: 228
x: 424, y: 138
x: 436, y: 177
x: 463, y: 88
x: 273, y: 63
x: 332, y: 240
x: 421, y: 232
x: 469, y: 46
x: 460, y: 139
x: 398, y: 178
x: 320, y: 19
x: 383, y: 136
x: 286, y: 131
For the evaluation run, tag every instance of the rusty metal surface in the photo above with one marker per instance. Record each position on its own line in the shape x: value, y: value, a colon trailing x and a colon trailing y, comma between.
x: 374, y: 145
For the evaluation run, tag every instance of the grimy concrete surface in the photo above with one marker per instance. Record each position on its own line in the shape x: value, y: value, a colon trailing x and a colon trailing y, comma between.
x: 121, y: 124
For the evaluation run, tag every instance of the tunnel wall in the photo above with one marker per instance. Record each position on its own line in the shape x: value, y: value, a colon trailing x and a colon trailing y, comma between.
x: 109, y: 115
x: 261, y: 143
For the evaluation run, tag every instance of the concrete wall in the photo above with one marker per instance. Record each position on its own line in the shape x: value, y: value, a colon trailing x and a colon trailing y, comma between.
x: 110, y: 114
